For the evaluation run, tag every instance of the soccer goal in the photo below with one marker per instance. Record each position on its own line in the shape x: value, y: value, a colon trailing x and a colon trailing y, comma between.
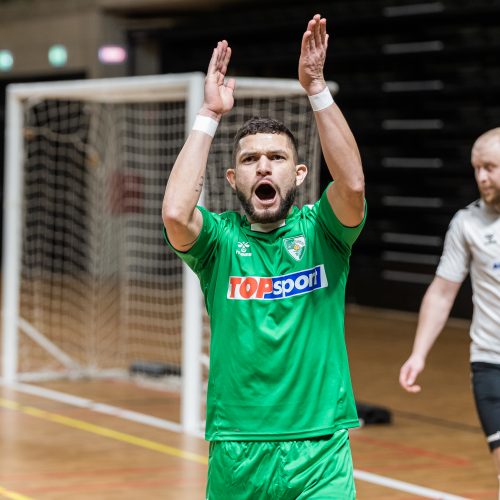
x: 89, y: 287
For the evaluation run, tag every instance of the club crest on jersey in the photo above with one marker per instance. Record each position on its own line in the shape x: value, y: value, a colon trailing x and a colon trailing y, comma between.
x: 295, y: 246
x: 243, y: 249
x: 277, y: 287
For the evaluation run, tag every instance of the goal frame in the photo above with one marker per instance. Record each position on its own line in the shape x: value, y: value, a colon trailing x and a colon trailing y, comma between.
x: 188, y: 86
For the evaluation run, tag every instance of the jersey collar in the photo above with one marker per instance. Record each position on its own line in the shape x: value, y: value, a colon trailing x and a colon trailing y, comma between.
x: 272, y: 226
x: 267, y: 228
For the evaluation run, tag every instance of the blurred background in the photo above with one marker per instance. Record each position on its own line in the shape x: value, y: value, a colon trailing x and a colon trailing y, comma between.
x: 419, y: 81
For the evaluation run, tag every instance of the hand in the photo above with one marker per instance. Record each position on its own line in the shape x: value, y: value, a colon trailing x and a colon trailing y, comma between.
x: 409, y: 373
x: 218, y: 94
x: 312, y: 56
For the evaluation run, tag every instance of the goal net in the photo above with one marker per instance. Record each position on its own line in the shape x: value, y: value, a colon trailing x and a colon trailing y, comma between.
x: 90, y: 287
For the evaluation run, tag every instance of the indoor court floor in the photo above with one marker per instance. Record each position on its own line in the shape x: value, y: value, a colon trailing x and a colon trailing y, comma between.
x: 60, y: 449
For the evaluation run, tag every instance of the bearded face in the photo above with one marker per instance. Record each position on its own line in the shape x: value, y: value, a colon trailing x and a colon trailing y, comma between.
x: 486, y: 163
x: 266, y: 176
x: 266, y: 192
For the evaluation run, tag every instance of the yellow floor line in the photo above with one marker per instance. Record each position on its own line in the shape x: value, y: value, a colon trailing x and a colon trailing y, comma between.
x: 102, y: 431
x: 11, y: 494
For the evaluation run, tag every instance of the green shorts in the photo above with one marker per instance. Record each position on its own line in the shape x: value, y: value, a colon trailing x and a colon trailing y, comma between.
x: 315, y: 468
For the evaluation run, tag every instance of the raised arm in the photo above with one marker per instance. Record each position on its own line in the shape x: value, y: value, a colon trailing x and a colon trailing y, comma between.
x: 182, y: 220
x: 346, y: 194
x: 434, y: 311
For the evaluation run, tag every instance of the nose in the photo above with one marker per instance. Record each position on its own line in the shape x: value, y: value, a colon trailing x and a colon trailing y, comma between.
x: 482, y: 175
x: 264, y: 165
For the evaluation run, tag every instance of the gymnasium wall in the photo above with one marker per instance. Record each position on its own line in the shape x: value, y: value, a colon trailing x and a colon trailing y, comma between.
x: 419, y: 81
x: 30, y: 27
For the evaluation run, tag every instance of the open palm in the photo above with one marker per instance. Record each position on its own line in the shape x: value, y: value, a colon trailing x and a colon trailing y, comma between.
x: 219, y: 96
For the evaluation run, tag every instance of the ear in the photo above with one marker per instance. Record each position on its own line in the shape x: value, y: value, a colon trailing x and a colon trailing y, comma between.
x: 300, y: 173
x: 231, y: 177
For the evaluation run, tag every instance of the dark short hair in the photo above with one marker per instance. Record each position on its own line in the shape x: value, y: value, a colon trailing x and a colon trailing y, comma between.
x: 257, y: 125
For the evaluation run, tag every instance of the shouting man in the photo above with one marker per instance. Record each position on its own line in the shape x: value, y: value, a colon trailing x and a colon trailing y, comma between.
x: 279, y: 397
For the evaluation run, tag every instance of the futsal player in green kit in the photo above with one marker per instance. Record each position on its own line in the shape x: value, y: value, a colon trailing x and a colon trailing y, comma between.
x: 279, y: 400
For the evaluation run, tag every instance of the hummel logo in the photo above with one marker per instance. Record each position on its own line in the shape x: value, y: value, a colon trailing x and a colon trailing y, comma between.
x: 243, y: 247
x: 490, y: 239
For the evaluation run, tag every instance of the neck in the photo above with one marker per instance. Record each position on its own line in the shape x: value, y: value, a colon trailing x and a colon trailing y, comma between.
x: 494, y: 206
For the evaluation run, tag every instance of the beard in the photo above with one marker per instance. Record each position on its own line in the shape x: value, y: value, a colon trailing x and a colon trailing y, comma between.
x: 493, y: 200
x: 268, y: 215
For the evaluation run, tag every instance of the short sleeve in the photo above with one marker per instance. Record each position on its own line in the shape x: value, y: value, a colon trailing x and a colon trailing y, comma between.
x: 455, y: 260
x: 205, y: 246
x: 333, y: 227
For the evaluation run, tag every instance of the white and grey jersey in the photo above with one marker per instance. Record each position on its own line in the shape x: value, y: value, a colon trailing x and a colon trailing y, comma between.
x: 472, y: 245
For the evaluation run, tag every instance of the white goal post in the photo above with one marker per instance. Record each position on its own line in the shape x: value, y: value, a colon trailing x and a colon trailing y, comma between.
x: 89, y: 286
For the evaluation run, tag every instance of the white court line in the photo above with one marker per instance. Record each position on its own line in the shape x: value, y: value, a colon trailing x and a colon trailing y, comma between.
x: 141, y: 418
x: 88, y: 404
x: 402, y: 486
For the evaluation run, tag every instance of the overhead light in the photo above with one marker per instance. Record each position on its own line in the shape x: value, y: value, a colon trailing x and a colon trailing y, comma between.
x: 58, y: 55
x: 6, y: 60
x: 112, y: 54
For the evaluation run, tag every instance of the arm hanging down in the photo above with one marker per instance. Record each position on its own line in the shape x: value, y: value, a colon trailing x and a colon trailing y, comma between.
x: 434, y: 311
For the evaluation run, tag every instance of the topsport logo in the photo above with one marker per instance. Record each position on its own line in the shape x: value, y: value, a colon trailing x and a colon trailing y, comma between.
x: 276, y: 287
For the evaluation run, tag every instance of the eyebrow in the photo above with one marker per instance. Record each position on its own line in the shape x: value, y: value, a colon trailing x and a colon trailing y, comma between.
x: 486, y: 163
x: 250, y: 152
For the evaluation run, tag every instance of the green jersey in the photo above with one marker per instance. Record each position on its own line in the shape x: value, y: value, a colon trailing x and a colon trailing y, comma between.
x: 278, y: 360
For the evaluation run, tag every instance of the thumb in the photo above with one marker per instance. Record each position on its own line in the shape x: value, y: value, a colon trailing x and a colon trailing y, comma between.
x: 411, y: 378
x: 231, y: 84
x: 411, y: 375
x: 407, y: 375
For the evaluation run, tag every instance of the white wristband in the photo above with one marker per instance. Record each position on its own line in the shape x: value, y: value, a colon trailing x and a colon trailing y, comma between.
x: 205, y: 124
x: 322, y: 100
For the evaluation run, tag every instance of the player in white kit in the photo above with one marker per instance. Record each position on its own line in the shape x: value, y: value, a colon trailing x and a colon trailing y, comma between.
x: 472, y: 245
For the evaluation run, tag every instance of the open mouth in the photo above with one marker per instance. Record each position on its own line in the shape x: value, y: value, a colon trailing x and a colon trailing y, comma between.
x: 265, y: 192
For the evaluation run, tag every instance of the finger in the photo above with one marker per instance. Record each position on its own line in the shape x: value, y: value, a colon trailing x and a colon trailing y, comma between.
x: 231, y: 84
x: 221, y: 48
x: 223, y: 45
x: 225, y: 59
x: 311, y: 27
x: 403, y: 376
x: 407, y: 375
x: 409, y: 386
x: 317, y: 31
x: 413, y: 388
x: 213, y: 62
x: 305, y: 41
x: 411, y: 377
x: 323, y: 34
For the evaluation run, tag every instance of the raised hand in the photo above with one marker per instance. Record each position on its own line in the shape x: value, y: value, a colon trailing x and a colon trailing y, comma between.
x: 312, y: 56
x: 219, y: 94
